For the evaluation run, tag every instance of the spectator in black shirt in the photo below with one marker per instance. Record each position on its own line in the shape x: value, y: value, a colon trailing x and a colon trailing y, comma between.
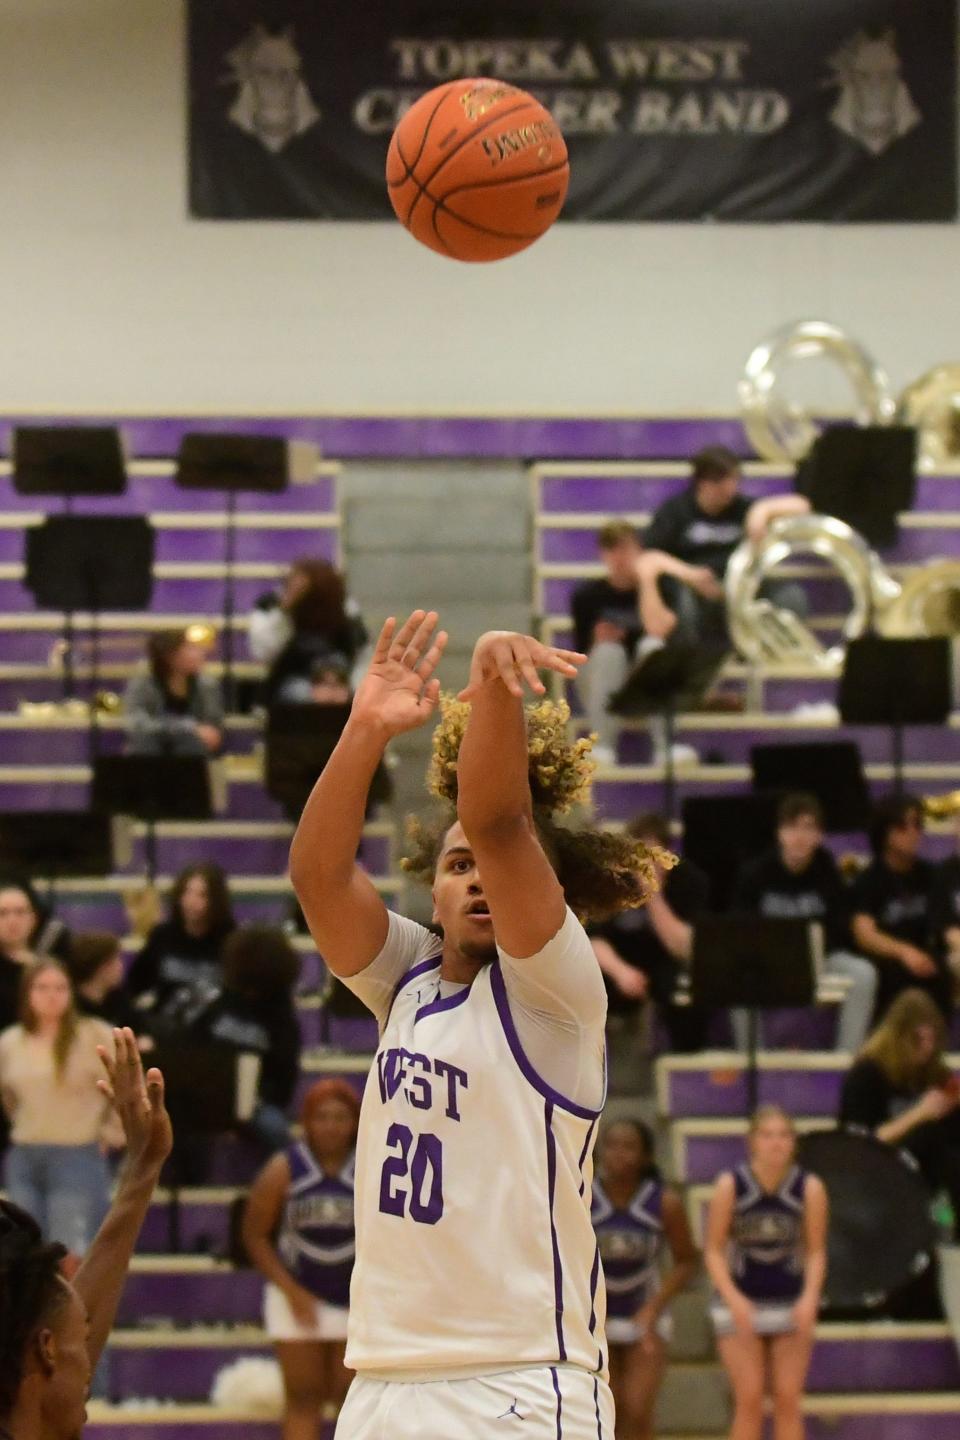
x: 890, y: 906
x: 615, y: 620
x: 28, y: 932
x: 645, y: 954
x: 185, y: 949
x: 945, y: 915
x: 95, y: 965
x: 174, y: 709
x: 901, y: 1089
x: 252, y: 1012
x: 799, y: 880
x: 702, y: 526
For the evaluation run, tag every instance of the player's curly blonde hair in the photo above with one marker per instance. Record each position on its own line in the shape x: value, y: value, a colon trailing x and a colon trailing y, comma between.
x: 601, y: 872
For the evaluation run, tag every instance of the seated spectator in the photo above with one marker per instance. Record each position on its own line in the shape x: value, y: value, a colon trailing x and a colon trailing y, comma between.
x: 799, y: 880
x: 250, y: 1010
x: 310, y: 626
x: 615, y: 620
x: 645, y: 954
x: 27, y: 932
x: 945, y: 915
x: 890, y: 906
x: 174, y: 709
x: 99, y: 988
x: 901, y: 1089
x: 185, y: 949
x: 702, y: 526
x: 62, y: 1125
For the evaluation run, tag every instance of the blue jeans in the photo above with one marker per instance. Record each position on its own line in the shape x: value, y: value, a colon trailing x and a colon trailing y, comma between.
x: 704, y: 622
x: 66, y: 1188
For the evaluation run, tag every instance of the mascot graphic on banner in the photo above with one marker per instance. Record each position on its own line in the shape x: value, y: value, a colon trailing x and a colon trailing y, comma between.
x: 874, y: 106
x: 273, y: 103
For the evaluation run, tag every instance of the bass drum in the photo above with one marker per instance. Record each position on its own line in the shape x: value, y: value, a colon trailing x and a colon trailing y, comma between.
x: 881, y: 1232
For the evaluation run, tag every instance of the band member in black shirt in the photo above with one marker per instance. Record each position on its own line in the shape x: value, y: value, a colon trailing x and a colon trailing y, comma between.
x: 890, y: 906
x: 702, y: 526
x: 799, y: 880
x: 616, y: 619
x: 645, y: 954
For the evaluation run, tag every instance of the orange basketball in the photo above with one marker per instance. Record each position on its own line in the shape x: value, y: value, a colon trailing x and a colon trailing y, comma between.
x: 477, y: 170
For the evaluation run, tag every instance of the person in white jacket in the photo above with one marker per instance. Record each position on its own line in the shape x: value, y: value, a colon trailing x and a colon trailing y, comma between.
x: 310, y: 625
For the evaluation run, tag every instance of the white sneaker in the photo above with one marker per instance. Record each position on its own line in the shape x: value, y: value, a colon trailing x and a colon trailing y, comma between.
x: 604, y: 755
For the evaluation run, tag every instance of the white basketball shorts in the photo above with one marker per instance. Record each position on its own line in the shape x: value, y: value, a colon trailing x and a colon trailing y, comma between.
x: 557, y: 1402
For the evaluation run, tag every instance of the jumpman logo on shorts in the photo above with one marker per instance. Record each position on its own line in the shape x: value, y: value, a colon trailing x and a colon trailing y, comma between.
x: 512, y: 1411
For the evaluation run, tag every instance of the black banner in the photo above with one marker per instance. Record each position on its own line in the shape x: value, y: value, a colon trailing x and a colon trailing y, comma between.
x: 700, y: 110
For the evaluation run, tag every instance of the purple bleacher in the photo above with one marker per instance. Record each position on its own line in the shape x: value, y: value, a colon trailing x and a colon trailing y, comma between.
x: 621, y: 799
x: 914, y: 546
x: 430, y: 437
x: 878, y: 1365
x: 179, y: 595
x: 204, y: 1224
x: 247, y: 799
x: 147, y: 494
x: 896, y: 1425
x: 29, y: 743
x: 265, y: 544
x: 241, y: 854
x: 929, y: 744
x: 105, y: 911
x: 178, y: 1372
x: 191, y: 1297
x: 720, y: 1093
x: 595, y: 494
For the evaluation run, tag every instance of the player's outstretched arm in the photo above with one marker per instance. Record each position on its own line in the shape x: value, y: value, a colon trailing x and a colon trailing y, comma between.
x: 138, y: 1100
x: 494, y: 804
x: 399, y: 692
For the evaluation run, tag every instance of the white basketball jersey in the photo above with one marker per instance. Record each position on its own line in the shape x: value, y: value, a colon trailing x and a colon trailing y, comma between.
x: 475, y: 1249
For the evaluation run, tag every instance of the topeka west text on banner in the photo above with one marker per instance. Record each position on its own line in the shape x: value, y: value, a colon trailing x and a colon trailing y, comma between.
x: 700, y: 110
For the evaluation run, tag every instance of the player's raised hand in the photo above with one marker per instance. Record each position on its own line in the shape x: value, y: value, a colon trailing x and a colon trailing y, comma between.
x: 516, y: 660
x: 400, y: 690
x: 138, y: 1100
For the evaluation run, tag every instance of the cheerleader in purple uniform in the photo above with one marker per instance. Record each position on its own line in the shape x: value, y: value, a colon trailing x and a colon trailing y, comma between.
x: 298, y: 1231
x: 766, y: 1256
x: 638, y: 1222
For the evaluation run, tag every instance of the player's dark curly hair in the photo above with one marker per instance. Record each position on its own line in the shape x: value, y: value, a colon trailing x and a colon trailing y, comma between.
x: 601, y: 872
x: 30, y: 1290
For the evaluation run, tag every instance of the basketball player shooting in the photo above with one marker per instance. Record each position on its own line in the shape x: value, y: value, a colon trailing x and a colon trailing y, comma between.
x: 477, y: 1299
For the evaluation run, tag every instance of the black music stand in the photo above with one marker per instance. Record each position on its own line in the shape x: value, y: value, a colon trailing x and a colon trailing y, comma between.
x: 152, y: 788
x: 232, y: 463
x: 68, y: 461
x: 864, y: 474
x: 205, y: 1097
x: 93, y: 563
x: 299, y: 741
x: 831, y: 770
x: 896, y: 683
x: 754, y: 963
x: 55, y: 845
x: 722, y: 832
x: 656, y: 685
